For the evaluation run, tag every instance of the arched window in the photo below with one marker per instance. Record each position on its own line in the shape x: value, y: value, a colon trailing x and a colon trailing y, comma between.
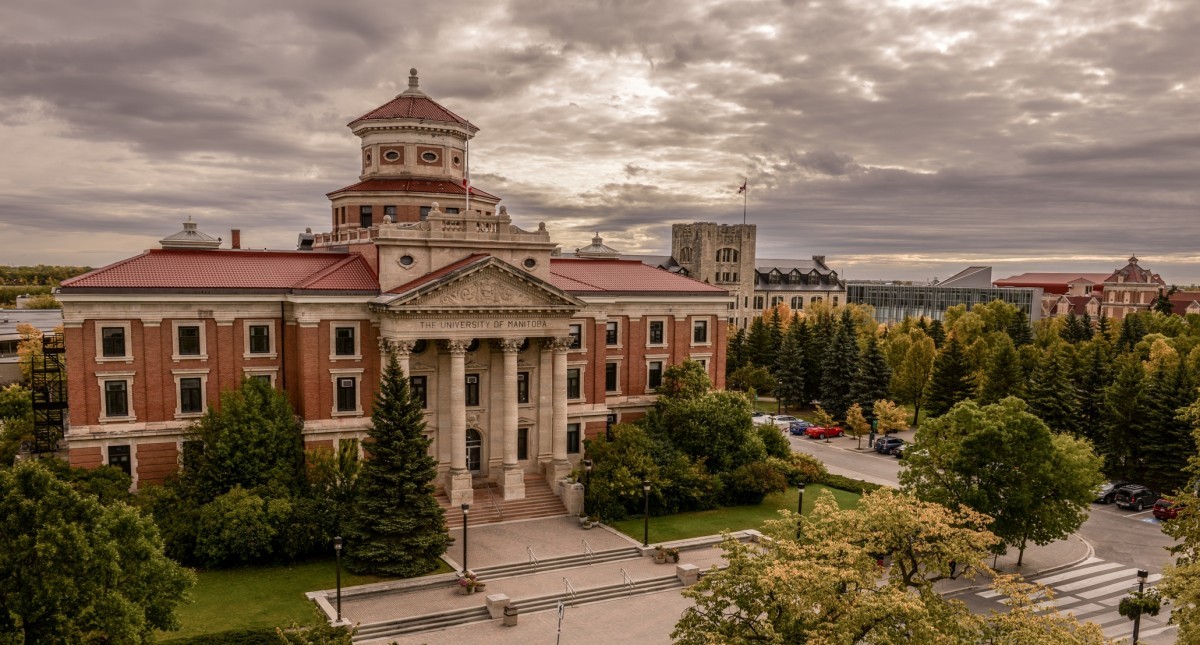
x: 776, y: 300
x: 685, y: 254
x: 814, y: 300
x: 797, y: 303
x: 727, y: 255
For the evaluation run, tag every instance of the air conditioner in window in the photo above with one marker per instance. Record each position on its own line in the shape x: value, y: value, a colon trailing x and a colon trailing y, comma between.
x: 472, y: 379
x: 345, y: 382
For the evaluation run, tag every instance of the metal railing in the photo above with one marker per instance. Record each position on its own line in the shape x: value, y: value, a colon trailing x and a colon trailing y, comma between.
x: 570, y: 591
x: 492, y: 499
x: 627, y: 581
x: 533, y: 561
x: 587, y: 548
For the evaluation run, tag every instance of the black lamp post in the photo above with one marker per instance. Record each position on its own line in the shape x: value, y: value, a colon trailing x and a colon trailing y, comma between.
x: 799, y: 507
x: 587, y: 482
x: 465, y: 508
x: 1142, y: 574
x: 646, y: 512
x: 337, y: 552
x: 778, y: 399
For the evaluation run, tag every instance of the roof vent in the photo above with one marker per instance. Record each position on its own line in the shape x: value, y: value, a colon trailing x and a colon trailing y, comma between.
x: 305, y: 240
x: 597, y: 249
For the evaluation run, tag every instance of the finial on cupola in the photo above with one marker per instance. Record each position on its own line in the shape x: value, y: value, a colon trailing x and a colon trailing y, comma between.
x: 412, y: 78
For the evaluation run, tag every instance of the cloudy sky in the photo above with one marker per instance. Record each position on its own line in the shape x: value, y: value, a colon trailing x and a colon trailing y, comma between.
x: 902, y: 139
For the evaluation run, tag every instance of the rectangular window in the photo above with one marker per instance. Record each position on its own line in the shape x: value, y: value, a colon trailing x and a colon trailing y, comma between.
x: 420, y: 389
x: 610, y: 377
x: 113, y: 341
x: 116, y: 399
x: 472, y: 390
x: 573, y: 389
x: 576, y: 332
x: 654, y: 375
x: 699, y: 331
x: 758, y: 302
x: 189, y: 340
x: 191, y: 396
x: 452, y: 211
x: 425, y: 212
x: 364, y: 217
x: 656, y: 332
x: 118, y: 456
x: 347, y: 394
x: 260, y: 339
x: 573, y: 438
x: 344, y: 344
x: 522, y: 443
x: 522, y: 387
x: 264, y: 378
x: 610, y: 333
x: 389, y: 211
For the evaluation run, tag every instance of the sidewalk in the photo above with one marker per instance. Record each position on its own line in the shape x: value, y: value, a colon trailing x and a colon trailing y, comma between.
x: 1038, y: 560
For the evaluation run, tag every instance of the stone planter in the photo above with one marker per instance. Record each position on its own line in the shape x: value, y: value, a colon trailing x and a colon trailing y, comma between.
x: 660, y: 557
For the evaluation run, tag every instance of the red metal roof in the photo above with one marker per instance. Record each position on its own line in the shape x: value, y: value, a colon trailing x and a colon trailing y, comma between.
x: 583, y: 275
x: 233, y: 269
x: 1181, y: 300
x: 434, y: 275
x: 413, y: 106
x: 438, y: 186
x: 1052, y: 282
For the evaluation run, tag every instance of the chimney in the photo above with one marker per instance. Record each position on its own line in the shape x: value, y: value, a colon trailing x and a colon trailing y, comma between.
x: 235, y: 238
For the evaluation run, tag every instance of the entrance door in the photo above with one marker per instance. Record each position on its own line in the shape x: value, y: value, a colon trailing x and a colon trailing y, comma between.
x: 474, y: 451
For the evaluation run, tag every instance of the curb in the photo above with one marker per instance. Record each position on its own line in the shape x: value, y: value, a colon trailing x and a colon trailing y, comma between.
x: 1089, y: 553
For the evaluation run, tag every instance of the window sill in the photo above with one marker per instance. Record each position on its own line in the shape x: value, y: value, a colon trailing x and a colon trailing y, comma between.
x: 107, y: 420
x: 334, y: 359
x: 113, y: 359
x: 188, y: 415
x: 656, y: 346
x: 189, y: 357
x: 271, y: 356
x: 347, y: 413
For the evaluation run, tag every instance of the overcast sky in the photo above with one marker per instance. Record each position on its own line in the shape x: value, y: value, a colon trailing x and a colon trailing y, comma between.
x: 901, y: 139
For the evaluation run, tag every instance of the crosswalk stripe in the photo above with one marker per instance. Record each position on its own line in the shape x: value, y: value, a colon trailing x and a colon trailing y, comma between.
x: 1095, y: 580
x: 1155, y: 632
x: 1083, y: 609
x: 990, y: 593
x: 1114, y: 588
x: 1075, y: 573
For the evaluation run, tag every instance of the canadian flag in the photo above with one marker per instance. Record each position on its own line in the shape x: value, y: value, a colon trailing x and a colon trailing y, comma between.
x: 743, y: 188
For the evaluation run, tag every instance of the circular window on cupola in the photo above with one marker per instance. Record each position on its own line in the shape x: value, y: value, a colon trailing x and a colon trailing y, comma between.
x: 429, y: 157
x: 391, y: 155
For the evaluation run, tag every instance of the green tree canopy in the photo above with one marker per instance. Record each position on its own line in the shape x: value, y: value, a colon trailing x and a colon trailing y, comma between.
x: 1002, y: 373
x: 951, y: 381
x: 73, y: 570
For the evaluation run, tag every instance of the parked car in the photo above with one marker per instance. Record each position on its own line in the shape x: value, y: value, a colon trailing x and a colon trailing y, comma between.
x: 888, y: 445
x: 1135, y: 496
x: 1164, y: 509
x: 899, y: 451
x: 798, y: 427
x: 819, y: 432
x: 784, y: 420
x: 760, y: 418
x: 1108, y: 491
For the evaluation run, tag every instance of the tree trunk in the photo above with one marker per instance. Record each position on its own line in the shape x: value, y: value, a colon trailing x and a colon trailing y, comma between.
x: 1021, y: 552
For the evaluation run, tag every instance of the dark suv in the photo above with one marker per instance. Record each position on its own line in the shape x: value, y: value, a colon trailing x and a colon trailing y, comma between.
x: 1136, y: 497
x: 888, y: 445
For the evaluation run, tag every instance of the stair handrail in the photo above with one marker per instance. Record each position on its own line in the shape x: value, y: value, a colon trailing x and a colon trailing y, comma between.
x: 532, y: 558
x: 587, y: 548
x: 570, y: 590
x: 627, y: 581
x: 492, y: 499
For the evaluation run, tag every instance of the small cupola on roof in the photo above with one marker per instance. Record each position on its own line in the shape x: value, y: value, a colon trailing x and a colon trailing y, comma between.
x: 190, y: 238
x: 597, y: 249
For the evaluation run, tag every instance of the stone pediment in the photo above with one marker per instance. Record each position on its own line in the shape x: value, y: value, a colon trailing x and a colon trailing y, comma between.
x: 485, y: 285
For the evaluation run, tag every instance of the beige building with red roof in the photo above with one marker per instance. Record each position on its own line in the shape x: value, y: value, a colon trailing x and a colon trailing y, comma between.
x: 516, y: 355
x: 1127, y: 290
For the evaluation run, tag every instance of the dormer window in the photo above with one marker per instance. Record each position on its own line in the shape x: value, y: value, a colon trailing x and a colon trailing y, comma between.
x: 773, y: 278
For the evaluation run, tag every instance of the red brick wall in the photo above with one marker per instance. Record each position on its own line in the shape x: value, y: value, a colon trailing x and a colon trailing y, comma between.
x: 155, y: 461
x: 716, y: 367
x: 592, y: 429
x: 86, y: 457
x: 633, y: 368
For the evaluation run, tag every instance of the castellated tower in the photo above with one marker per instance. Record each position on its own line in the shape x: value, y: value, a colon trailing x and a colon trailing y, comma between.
x: 722, y: 255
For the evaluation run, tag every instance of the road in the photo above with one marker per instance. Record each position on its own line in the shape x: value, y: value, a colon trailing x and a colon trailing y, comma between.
x: 1124, y: 541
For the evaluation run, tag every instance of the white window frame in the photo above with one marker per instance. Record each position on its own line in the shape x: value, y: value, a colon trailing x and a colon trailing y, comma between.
x: 704, y: 359
x: 272, y: 372
x: 583, y: 337
x: 619, y: 344
x: 175, y: 355
x: 333, y: 327
x: 102, y: 416
x: 615, y: 360
x: 582, y: 367
x: 179, y: 375
x: 708, y: 330
x: 666, y: 335
x: 665, y: 359
x: 272, y: 351
x: 354, y: 373
x: 124, y: 324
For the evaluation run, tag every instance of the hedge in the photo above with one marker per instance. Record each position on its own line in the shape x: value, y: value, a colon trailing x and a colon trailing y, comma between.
x: 847, y: 484
x: 254, y: 636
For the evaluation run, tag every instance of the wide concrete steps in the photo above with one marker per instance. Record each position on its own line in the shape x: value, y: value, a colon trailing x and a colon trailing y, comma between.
x: 539, y: 501
x: 455, y: 617
x: 559, y: 562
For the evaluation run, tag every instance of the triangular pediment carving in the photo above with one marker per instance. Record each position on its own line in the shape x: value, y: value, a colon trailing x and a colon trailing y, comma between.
x: 524, y: 421
x: 488, y: 284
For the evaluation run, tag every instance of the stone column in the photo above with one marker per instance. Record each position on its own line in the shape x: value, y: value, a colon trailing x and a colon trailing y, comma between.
x: 459, y: 485
x: 514, y: 477
x: 401, y: 348
x: 559, y: 467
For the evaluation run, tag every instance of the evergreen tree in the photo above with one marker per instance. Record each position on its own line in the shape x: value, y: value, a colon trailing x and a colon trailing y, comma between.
x: 1095, y: 375
x: 1019, y: 331
x: 789, y: 369
x: 820, y: 335
x: 397, y: 527
x: 759, y: 350
x: 874, y: 376
x: 735, y: 355
x: 1128, y: 336
x: 1002, y: 375
x: 1052, y: 396
x: 840, y: 368
x: 1168, y: 440
x: 1162, y: 304
x: 775, y: 327
x: 922, y: 325
x: 937, y: 331
x: 951, y: 380
x: 1088, y: 330
x: 1071, y: 331
x: 1125, y: 418
x: 1103, y: 327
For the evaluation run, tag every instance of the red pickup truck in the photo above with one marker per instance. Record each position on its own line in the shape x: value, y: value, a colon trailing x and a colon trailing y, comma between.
x: 818, y: 432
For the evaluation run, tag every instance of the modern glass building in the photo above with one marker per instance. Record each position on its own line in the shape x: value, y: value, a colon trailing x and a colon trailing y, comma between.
x: 893, y: 302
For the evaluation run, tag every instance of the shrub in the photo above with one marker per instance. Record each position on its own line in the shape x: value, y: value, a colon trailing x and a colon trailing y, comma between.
x: 847, y: 484
x: 773, y: 440
x: 176, y: 517
x: 235, y: 528
x: 255, y: 636
x: 750, y: 483
x: 799, y: 468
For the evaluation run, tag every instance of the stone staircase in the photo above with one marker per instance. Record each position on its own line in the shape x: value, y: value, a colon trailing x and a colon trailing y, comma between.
x: 455, y: 617
x: 489, y: 506
x: 559, y: 562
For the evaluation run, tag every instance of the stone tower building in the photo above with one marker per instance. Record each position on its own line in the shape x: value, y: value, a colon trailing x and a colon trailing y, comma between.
x: 723, y: 255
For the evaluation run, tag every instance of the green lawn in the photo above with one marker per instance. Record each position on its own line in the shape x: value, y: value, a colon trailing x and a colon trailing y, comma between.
x: 733, y: 518
x: 260, y: 596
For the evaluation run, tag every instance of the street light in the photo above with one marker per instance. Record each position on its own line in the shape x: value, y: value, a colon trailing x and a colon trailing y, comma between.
x: 465, y: 508
x: 799, y: 508
x: 646, y: 512
x: 337, y: 552
x: 587, y: 483
x: 1142, y: 574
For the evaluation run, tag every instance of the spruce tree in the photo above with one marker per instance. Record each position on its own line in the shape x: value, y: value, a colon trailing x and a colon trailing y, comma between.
x: 1128, y: 336
x: 789, y: 370
x: 1019, y: 332
x: 1052, y: 396
x: 840, y: 368
x: 1072, y: 331
x: 1125, y: 418
x: 874, y: 377
x: 397, y: 528
x: 775, y: 327
x: 1168, y: 440
x: 951, y: 380
x: 820, y: 335
x: 759, y: 351
x: 1095, y: 375
x: 1002, y: 375
x: 735, y: 355
x: 937, y: 331
x: 1103, y: 327
x: 1087, y: 331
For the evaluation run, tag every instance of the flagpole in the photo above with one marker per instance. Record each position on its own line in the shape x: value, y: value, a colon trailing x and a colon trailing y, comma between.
x: 467, y: 171
x: 745, y: 198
